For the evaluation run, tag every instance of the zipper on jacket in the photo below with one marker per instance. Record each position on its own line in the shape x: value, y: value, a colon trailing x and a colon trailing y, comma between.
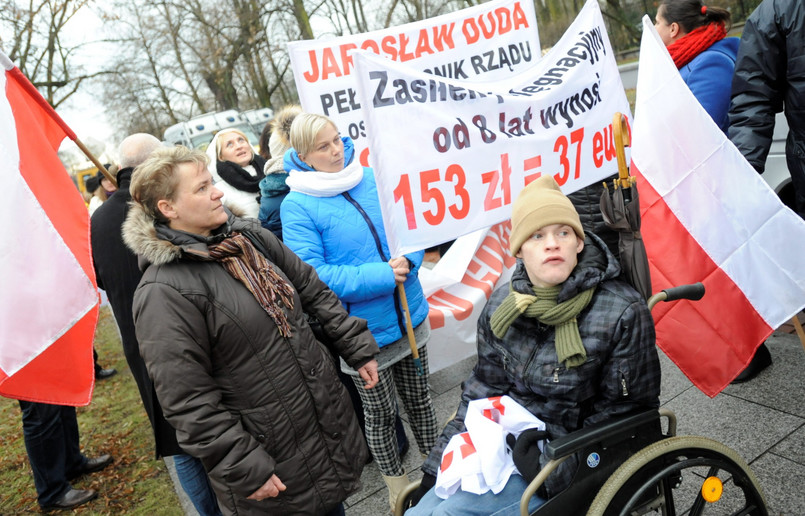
x: 373, y: 230
x: 556, y: 375
x: 625, y: 391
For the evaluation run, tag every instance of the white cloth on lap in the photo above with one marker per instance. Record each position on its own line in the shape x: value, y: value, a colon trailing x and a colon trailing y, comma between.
x: 479, y: 460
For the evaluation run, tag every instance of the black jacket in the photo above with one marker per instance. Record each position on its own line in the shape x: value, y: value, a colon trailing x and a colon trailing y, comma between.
x: 621, y: 374
x: 769, y: 78
x: 117, y: 273
x: 587, y: 202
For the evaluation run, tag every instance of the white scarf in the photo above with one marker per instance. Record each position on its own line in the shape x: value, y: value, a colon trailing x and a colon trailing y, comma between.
x: 325, y: 184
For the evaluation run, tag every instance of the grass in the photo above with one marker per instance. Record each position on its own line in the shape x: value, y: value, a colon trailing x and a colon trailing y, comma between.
x: 116, y: 423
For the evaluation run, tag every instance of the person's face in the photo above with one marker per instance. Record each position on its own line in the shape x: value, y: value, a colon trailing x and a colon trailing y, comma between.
x: 669, y: 32
x: 328, y: 151
x: 236, y: 148
x: 197, y: 207
x: 550, y: 254
x: 107, y: 185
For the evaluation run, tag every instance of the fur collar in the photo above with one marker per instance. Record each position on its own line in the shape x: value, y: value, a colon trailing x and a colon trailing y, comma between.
x: 140, y: 235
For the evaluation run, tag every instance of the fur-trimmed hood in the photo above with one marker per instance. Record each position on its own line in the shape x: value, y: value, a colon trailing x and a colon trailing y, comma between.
x: 156, y: 243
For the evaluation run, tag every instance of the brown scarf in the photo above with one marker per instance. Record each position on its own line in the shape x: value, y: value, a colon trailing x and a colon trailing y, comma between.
x: 244, y: 263
x: 695, y: 42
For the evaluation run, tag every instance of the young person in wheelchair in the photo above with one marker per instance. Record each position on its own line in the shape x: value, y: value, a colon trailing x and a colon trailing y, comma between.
x: 567, y: 340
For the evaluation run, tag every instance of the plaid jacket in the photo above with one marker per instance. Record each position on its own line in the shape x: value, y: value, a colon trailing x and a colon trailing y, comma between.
x: 621, y: 374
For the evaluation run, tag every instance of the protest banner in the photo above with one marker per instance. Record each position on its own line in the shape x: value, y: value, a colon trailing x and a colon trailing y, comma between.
x: 484, y: 42
x: 461, y: 151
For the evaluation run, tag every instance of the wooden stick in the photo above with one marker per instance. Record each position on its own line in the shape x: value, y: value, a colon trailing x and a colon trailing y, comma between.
x: 95, y: 161
x: 410, y: 328
x: 800, y: 331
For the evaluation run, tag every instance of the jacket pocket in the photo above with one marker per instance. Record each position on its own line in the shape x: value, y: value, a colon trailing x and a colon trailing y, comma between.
x: 575, y: 383
x: 256, y: 422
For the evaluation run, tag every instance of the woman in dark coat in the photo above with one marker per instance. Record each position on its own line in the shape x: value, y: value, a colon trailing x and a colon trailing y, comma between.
x: 220, y: 319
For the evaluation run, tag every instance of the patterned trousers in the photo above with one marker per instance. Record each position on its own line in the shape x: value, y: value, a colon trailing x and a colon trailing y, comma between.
x: 380, y: 406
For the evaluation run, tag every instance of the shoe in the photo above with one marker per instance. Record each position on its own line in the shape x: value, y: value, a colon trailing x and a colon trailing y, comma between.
x: 759, y: 362
x: 92, y: 465
x: 72, y: 498
x: 103, y: 374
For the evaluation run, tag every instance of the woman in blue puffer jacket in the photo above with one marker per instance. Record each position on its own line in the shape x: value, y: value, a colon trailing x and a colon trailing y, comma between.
x: 331, y: 219
x: 695, y: 35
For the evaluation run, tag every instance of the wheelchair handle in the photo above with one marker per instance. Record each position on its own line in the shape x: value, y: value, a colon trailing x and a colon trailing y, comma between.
x: 694, y: 292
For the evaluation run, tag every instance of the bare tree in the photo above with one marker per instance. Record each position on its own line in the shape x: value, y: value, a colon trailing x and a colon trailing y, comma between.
x: 36, y: 29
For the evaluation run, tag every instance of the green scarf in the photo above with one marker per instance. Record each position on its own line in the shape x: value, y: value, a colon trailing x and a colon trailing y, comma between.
x: 543, y: 307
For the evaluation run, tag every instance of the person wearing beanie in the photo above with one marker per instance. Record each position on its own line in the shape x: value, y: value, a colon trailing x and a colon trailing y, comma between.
x: 566, y: 339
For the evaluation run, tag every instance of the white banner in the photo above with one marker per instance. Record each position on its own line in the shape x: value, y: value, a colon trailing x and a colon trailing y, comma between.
x: 486, y: 42
x: 450, y: 156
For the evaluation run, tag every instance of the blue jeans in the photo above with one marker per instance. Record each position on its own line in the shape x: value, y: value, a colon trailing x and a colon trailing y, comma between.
x: 196, y: 484
x: 51, y: 439
x: 505, y: 503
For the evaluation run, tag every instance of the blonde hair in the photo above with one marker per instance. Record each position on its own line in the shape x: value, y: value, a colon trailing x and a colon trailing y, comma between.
x: 304, y: 130
x: 218, y: 140
x: 156, y: 179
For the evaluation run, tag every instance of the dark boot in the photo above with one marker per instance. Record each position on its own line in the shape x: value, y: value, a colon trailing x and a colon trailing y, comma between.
x: 760, y: 361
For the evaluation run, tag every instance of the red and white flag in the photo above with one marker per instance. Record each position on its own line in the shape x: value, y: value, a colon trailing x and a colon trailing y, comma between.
x: 48, y: 299
x: 708, y: 216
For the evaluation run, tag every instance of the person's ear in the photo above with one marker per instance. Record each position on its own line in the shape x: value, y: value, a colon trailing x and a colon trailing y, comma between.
x: 519, y: 253
x: 579, y: 244
x: 674, y: 30
x: 166, y: 208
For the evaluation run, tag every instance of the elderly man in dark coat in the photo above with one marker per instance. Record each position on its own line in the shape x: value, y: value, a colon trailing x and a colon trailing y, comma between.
x: 117, y: 273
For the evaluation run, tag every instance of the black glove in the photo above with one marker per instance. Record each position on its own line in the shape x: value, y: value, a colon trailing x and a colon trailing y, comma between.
x: 428, y: 481
x: 525, y: 451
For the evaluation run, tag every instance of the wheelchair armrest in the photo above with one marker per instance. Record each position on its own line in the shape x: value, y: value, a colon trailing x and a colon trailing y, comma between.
x: 575, y: 441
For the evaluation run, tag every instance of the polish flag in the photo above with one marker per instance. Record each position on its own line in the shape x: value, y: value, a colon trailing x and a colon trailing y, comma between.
x: 708, y: 216
x: 48, y: 299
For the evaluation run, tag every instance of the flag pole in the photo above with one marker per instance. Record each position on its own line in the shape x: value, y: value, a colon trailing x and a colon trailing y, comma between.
x: 798, y: 328
x: 23, y: 81
x: 94, y: 160
x: 410, y: 328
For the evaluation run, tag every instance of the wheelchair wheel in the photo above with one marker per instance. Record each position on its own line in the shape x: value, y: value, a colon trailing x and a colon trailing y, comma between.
x: 404, y: 498
x: 682, y: 475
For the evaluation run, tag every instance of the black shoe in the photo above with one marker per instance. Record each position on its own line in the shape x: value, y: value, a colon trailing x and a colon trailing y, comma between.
x: 759, y: 362
x: 91, y: 466
x: 72, y: 498
x: 103, y: 374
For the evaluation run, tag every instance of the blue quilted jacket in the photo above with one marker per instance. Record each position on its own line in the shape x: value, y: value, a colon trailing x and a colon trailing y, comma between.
x: 709, y: 77
x: 330, y: 234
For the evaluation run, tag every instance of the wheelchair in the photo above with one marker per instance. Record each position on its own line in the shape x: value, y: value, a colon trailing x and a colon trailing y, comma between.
x: 637, y: 465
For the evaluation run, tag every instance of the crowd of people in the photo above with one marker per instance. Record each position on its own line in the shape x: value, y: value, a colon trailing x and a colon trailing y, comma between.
x: 260, y: 309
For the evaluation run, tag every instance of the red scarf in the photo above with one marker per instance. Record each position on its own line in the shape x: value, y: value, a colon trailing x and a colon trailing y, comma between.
x: 695, y: 42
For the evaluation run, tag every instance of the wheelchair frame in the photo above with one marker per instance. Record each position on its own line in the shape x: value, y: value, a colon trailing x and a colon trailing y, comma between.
x: 635, y: 467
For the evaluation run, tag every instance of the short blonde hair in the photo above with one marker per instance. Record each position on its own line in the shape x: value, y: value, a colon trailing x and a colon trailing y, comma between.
x: 222, y: 132
x: 156, y: 179
x: 304, y: 130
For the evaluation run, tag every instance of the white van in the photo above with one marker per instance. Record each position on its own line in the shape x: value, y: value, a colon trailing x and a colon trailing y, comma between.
x: 198, y: 131
x: 258, y: 118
